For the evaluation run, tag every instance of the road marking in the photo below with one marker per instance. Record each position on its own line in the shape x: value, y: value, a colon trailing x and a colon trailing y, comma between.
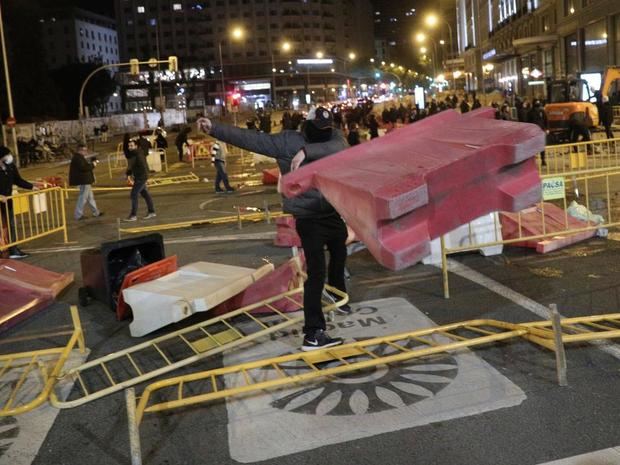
x: 185, y: 240
x: 521, y: 300
x: 271, y: 424
x: 609, y: 456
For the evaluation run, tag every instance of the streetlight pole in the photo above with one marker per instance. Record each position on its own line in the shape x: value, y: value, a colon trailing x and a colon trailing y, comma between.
x: 8, y: 89
x: 161, y: 93
x: 222, y: 75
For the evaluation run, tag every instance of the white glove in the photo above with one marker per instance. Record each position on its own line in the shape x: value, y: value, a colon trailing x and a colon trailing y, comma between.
x: 297, y: 160
x: 204, y: 124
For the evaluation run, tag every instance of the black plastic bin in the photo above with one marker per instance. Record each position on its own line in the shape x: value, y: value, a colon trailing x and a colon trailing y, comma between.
x: 103, y: 268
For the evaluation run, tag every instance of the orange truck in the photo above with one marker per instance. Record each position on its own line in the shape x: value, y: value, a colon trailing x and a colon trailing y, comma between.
x: 571, y: 102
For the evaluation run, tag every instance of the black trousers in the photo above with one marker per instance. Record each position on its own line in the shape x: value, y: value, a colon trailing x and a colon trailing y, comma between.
x: 7, y: 215
x: 316, y: 234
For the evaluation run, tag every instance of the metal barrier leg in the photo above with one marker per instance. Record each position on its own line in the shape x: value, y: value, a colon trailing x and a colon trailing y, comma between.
x: 134, y: 428
x: 560, y: 355
x: 444, y: 269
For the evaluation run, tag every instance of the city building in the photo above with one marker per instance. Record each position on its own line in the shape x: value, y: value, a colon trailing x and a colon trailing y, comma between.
x: 73, y: 35
x: 394, y: 26
x: 518, y: 46
x: 262, y: 61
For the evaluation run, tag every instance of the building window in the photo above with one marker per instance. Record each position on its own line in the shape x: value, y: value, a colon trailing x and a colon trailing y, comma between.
x: 595, y: 46
x: 570, y: 45
x: 177, y: 7
x: 81, y: 32
x: 141, y: 9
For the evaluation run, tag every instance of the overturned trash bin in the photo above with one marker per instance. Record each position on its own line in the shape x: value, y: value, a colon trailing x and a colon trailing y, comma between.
x: 104, y: 268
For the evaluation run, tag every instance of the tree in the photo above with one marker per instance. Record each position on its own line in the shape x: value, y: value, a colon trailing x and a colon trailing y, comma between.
x: 98, y: 90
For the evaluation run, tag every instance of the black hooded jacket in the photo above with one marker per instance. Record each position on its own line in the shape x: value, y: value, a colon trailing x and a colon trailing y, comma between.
x: 283, y: 146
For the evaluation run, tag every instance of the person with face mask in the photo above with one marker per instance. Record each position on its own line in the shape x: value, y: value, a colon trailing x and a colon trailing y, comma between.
x: 9, y: 176
x: 317, y: 222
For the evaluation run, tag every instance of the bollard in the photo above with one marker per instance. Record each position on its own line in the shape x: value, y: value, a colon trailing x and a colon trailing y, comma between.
x: 134, y: 431
x: 560, y: 355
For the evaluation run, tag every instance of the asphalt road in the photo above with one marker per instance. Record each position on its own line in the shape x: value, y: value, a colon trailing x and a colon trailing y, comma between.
x: 500, y: 405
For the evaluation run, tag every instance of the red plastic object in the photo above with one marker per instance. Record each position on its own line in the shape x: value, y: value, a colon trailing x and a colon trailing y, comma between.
x: 270, y: 176
x: 26, y: 289
x: 556, y: 221
x: 286, y: 234
x: 402, y: 190
x: 285, y: 277
x: 37, y: 279
x: 146, y: 273
x: 53, y: 181
x: 18, y: 303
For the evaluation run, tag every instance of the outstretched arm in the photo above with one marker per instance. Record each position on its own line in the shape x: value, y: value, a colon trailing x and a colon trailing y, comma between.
x: 271, y: 145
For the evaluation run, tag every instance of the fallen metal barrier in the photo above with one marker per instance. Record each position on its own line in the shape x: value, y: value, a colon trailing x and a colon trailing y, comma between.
x: 239, y: 218
x: 598, y: 198
x: 206, y: 386
x: 151, y: 182
x: 126, y: 368
x: 15, y: 369
x: 36, y: 214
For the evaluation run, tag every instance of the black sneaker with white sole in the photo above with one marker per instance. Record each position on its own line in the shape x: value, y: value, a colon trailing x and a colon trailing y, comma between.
x: 320, y: 340
x: 17, y: 254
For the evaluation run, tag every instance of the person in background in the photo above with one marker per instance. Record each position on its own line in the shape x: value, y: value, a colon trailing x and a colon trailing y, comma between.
x: 9, y: 176
x: 138, y: 173
x: 104, y: 132
x: 181, y: 139
x: 464, y: 104
x: 160, y: 139
x: 607, y: 116
x: 218, y: 157
x: 81, y: 175
x: 353, y: 138
x: 536, y: 115
x: 373, y: 126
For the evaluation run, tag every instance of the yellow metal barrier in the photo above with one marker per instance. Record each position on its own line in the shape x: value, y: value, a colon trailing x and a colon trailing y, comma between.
x: 119, y: 370
x: 598, y: 198
x: 266, y: 215
x: 17, y: 367
x: 206, y: 386
x: 117, y: 160
x: 31, y: 215
x: 594, y: 155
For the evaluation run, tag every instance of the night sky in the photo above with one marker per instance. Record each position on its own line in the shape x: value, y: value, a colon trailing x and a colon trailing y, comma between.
x: 98, y: 6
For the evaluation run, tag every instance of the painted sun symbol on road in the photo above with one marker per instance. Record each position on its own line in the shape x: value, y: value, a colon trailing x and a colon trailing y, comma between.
x: 376, y: 390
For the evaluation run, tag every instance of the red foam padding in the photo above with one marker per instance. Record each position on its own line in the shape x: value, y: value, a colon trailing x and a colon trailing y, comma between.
x: 400, y: 191
x: 38, y: 279
x: 555, y: 221
x: 283, y: 278
x: 286, y: 233
x: 18, y: 303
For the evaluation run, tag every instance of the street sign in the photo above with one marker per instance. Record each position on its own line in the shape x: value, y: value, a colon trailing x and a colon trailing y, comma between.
x: 553, y: 188
x: 11, y: 122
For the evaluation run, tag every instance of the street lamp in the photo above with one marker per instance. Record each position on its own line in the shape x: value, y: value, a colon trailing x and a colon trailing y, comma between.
x: 237, y: 33
x: 420, y: 37
x: 285, y: 47
x: 7, y: 78
x: 433, y: 20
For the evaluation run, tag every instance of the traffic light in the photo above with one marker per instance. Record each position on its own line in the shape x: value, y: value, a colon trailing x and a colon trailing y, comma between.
x: 134, y: 66
x: 173, y: 64
x: 236, y: 99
